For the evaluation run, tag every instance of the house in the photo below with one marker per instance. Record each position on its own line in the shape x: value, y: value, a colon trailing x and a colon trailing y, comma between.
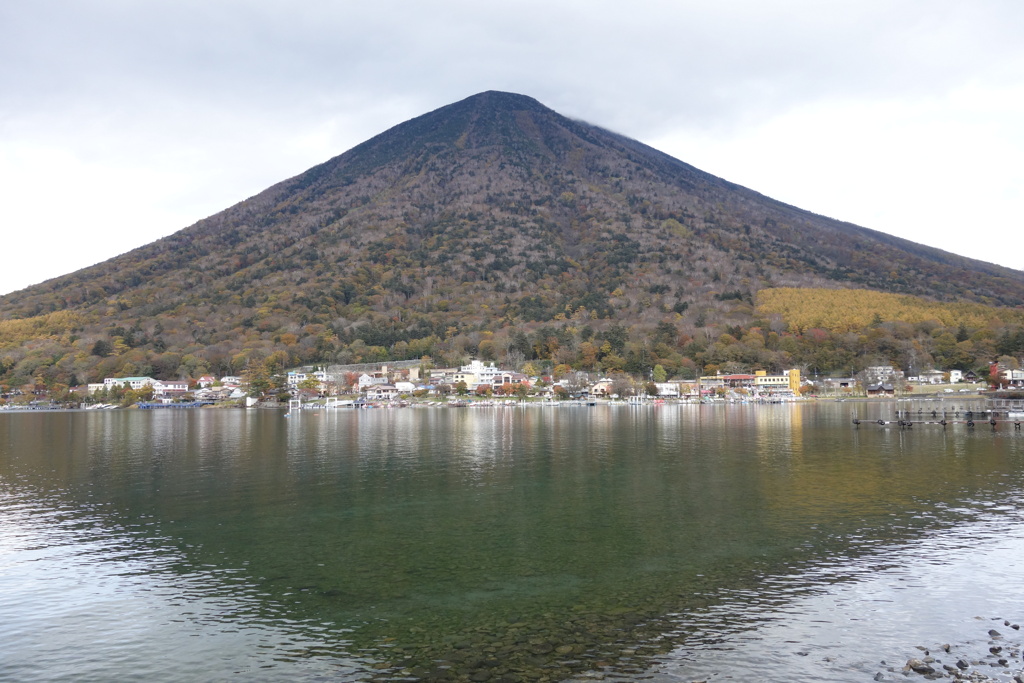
x: 880, y: 389
x: 837, y: 383
x: 381, y: 392
x: 443, y: 375
x: 366, y: 380
x: 405, y: 387
x: 1012, y: 378
x: 507, y: 377
x: 205, y: 381
x: 221, y: 393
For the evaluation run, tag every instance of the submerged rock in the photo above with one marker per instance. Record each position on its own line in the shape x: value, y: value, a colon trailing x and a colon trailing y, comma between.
x: 918, y: 666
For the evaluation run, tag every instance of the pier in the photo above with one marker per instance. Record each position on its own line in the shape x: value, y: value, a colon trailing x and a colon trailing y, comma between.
x: 970, y: 422
x: 927, y: 413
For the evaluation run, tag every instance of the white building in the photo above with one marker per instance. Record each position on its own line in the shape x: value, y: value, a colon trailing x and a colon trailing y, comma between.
x: 160, y: 387
x: 667, y: 389
x: 382, y: 392
x: 132, y: 382
x: 169, y: 388
x: 1015, y: 378
x: 476, y: 373
x: 295, y: 378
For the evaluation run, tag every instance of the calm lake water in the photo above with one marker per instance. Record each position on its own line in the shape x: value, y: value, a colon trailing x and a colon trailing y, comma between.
x: 670, y: 543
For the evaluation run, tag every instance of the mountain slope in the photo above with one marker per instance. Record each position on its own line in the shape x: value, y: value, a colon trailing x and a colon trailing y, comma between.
x: 491, y: 213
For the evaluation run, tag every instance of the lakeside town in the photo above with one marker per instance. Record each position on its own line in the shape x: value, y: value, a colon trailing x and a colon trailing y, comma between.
x: 477, y: 382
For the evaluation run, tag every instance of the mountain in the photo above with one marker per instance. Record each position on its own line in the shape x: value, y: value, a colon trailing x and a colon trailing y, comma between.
x: 463, y: 231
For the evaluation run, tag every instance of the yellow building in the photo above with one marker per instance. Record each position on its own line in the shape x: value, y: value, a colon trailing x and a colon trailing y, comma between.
x: 788, y: 381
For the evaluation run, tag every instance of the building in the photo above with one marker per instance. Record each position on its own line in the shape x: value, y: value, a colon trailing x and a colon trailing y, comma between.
x: 786, y: 383
x: 160, y: 388
x: 932, y: 377
x: 134, y: 383
x: 880, y: 389
x: 667, y: 389
x: 738, y: 381
x: 835, y: 384
x: 381, y: 392
x: 877, y: 374
x: 760, y: 383
x: 169, y: 389
x: 442, y: 375
x: 366, y: 380
x: 294, y: 378
x: 476, y: 373
x: 1011, y: 378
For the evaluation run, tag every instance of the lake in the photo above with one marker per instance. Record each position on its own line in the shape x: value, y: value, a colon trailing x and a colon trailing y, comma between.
x: 669, y: 543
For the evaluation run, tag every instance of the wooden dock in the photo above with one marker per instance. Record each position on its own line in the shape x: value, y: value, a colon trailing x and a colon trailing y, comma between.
x: 970, y: 420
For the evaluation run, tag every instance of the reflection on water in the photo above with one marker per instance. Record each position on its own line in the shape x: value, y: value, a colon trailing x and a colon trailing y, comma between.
x: 88, y: 597
x: 495, y: 543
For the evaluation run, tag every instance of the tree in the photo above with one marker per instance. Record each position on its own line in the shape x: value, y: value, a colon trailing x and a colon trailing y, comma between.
x: 461, y: 388
x: 258, y: 379
x: 616, y: 336
x: 310, y: 384
x: 665, y: 333
x: 587, y: 355
x: 622, y: 385
x: 659, y: 374
x: 102, y: 348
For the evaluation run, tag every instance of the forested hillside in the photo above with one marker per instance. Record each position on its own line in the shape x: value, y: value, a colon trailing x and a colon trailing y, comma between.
x: 497, y: 228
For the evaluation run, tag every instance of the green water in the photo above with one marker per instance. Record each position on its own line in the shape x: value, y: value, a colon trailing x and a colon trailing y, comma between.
x: 485, y: 544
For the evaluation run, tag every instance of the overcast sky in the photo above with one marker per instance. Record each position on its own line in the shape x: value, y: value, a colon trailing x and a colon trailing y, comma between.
x: 122, y: 121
